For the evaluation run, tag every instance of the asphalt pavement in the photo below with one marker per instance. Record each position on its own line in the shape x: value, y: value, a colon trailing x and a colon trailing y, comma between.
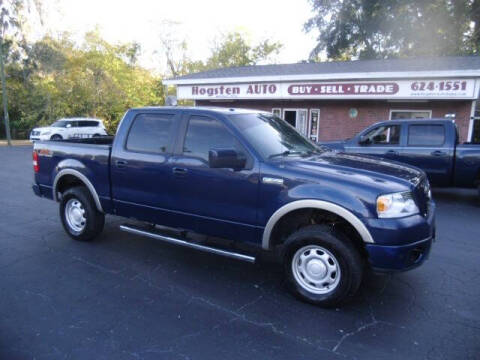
x: 129, y: 297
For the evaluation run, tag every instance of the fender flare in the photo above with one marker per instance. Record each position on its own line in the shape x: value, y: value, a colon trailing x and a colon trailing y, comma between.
x: 83, y: 179
x: 315, y: 204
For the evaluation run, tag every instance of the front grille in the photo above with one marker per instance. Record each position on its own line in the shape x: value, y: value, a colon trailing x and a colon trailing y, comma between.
x: 35, y: 133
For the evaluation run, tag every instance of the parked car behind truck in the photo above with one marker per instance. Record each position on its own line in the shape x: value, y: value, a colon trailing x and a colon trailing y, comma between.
x: 69, y: 128
x: 431, y: 145
x: 250, y: 178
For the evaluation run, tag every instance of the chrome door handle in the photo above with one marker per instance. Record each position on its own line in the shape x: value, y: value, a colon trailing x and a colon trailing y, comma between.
x: 121, y: 164
x: 179, y: 171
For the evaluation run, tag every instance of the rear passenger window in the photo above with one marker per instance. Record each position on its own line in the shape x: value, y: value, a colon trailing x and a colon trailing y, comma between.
x: 150, y: 133
x: 204, y: 133
x: 84, y: 123
x: 426, y: 135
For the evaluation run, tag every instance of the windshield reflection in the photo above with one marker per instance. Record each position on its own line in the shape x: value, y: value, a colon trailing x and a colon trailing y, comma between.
x: 272, y: 136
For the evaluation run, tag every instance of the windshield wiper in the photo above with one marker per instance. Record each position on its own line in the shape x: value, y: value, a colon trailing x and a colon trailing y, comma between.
x: 286, y: 153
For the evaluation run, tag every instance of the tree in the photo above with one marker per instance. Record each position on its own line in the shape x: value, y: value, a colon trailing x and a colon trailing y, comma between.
x: 11, y: 23
x: 369, y: 29
x: 231, y: 49
x: 234, y: 50
x: 57, y: 78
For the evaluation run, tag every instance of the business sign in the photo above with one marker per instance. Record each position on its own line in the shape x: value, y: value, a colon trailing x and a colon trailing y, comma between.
x: 401, y: 89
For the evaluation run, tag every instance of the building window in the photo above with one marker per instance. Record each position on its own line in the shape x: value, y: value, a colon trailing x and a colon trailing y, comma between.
x: 410, y: 114
x: 314, y: 124
x: 277, y: 112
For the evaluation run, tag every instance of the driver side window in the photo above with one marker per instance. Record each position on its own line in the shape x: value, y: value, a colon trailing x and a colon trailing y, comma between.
x: 383, y: 135
x: 204, y: 133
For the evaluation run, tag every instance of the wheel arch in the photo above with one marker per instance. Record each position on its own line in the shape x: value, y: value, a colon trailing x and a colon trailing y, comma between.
x: 71, y: 176
x: 306, y: 204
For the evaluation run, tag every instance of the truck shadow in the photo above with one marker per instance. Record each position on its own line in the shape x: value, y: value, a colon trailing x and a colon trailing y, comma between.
x: 454, y: 195
x: 220, y: 280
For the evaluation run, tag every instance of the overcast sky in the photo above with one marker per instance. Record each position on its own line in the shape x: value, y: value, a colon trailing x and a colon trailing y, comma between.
x: 200, y: 22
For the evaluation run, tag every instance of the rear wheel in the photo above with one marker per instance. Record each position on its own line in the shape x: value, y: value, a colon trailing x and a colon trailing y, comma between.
x: 80, y: 217
x: 96, y: 135
x: 322, y: 267
x: 56, y: 137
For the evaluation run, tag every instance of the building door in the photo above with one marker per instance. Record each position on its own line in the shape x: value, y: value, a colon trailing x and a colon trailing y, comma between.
x: 290, y: 116
x: 475, y: 130
x: 297, y: 118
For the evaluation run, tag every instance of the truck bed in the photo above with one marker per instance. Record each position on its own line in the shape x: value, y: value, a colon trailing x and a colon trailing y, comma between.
x: 89, y: 157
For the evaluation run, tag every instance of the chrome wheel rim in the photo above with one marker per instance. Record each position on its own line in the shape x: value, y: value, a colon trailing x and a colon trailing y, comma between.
x: 75, y: 215
x: 315, y: 269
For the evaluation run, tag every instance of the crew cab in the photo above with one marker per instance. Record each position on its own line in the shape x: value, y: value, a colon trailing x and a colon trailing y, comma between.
x: 240, y: 183
x: 69, y: 128
x: 431, y: 145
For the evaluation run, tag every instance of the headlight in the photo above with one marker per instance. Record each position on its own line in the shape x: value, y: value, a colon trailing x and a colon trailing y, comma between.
x: 46, y: 133
x: 396, y: 205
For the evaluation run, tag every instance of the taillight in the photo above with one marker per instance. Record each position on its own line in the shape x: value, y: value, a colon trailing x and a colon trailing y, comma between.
x: 36, y: 167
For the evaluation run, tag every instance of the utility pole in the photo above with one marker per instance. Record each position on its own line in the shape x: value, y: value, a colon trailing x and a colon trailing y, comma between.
x: 4, y: 95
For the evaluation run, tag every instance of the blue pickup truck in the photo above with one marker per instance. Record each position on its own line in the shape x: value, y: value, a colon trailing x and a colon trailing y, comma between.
x: 430, y: 144
x: 250, y: 181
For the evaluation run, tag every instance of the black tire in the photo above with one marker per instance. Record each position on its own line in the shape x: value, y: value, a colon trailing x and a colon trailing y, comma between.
x: 56, y: 137
x: 348, y: 260
x: 94, y: 219
x: 96, y: 135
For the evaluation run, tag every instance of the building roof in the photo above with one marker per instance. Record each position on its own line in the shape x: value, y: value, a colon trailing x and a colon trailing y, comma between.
x: 337, y: 69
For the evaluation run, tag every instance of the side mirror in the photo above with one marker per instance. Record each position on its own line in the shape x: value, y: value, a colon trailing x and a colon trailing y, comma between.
x: 380, y: 138
x: 226, y: 159
x: 364, y: 140
x: 68, y: 125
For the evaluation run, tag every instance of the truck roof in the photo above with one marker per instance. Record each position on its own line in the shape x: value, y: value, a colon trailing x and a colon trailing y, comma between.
x: 218, y: 109
x: 429, y: 119
x: 433, y: 120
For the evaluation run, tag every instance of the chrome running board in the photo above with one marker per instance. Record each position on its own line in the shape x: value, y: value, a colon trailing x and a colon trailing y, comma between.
x: 176, y: 241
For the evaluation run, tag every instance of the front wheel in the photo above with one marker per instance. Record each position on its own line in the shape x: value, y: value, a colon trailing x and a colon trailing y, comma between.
x: 80, y: 217
x: 322, y: 267
x: 56, y: 137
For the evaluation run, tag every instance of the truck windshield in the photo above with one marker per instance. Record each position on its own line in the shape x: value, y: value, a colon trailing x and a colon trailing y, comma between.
x: 60, y: 123
x: 272, y: 136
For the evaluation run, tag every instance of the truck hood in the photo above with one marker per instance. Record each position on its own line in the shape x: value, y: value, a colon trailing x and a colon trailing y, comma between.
x: 376, y: 169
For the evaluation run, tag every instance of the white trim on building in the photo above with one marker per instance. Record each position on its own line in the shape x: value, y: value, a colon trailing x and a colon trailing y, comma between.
x: 330, y: 76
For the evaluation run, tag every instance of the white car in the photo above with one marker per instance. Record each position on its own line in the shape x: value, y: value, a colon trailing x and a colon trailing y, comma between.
x: 69, y: 128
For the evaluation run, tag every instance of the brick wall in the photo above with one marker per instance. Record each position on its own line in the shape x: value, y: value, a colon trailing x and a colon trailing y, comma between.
x: 335, y: 122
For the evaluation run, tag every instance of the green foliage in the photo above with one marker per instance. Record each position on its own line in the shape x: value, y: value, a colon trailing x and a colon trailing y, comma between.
x: 231, y: 49
x: 58, y: 79
x: 234, y: 50
x: 395, y: 28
